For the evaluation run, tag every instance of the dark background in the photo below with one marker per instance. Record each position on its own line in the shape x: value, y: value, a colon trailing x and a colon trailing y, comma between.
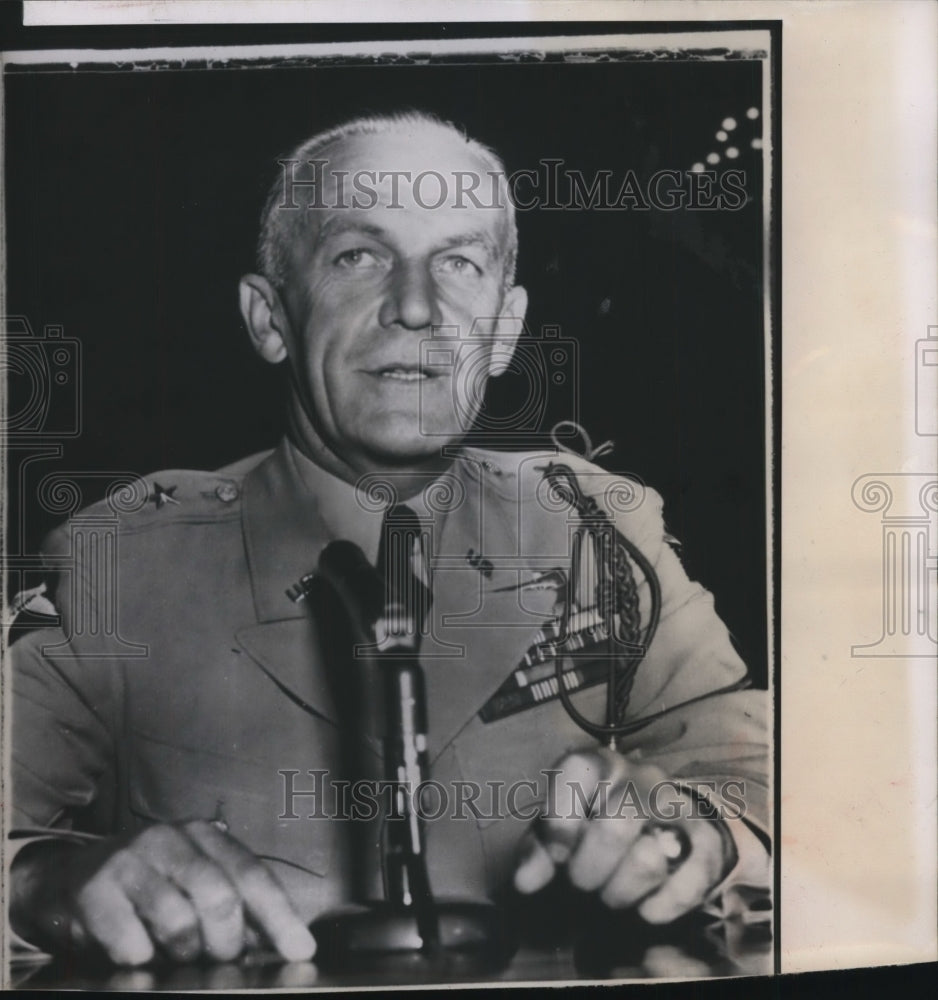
x: 132, y: 205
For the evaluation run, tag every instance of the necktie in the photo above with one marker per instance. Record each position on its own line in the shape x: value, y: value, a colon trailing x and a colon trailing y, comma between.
x: 407, y: 595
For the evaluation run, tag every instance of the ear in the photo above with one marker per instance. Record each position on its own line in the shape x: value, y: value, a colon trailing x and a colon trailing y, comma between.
x: 264, y: 317
x: 508, y: 329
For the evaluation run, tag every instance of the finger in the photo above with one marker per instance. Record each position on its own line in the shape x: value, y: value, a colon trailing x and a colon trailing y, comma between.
x: 562, y: 824
x: 108, y: 916
x: 643, y: 868
x: 213, y: 895
x: 263, y: 897
x: 295, y: 976
x: 168, y: 915
x: 689, y: 885
x: 536, y: 868
x: 131, y: 981
x: 224, y: 979
x: 604, y: 844
x: 668, y: 961
x: 252, y: 941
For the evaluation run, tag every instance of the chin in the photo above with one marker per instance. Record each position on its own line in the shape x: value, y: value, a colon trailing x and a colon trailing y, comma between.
x: 401, y: 440
x: 412, y: 449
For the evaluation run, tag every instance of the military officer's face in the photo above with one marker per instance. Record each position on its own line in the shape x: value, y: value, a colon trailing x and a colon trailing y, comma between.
x: 368, y: 285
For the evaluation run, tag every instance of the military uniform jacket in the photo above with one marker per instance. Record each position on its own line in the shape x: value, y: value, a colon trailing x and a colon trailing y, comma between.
x: 183, y: 682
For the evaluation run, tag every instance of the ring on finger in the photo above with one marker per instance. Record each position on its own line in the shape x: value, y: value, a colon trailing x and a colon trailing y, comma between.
x: 673, y: 842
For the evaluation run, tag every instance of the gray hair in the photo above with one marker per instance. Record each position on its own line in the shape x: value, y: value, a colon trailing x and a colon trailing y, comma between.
x: 273, y: 241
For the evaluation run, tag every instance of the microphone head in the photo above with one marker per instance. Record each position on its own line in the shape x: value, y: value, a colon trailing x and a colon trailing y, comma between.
x: 347, y: 600
x: 356, y: 581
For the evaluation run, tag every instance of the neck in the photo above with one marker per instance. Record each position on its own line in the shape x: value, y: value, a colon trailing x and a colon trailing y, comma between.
x: 409, y: 475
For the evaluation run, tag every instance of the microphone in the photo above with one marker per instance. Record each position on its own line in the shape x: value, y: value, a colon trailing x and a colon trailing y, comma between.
x: 380, y: 691
x: 407, y: 881
x: 371, y: 623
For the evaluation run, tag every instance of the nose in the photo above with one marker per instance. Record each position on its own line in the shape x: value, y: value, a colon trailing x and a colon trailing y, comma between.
x: 411, y: 299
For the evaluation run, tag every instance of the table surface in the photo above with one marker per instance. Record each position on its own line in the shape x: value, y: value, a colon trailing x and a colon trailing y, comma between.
x: 695, y: 949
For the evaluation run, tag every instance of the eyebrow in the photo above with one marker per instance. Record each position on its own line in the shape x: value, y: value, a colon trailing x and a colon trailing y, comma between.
x: 337, y: 225
x: 474, y: 237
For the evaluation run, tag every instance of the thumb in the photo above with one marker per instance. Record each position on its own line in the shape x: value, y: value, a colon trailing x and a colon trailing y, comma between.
x: 536, y: 867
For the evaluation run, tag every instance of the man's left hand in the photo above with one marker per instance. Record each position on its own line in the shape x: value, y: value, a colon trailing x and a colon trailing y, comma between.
x: 623, y: 830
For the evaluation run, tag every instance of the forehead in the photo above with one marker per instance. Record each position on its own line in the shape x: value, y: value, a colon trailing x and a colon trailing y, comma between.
x: 418, y: 185
x: 413, y: 149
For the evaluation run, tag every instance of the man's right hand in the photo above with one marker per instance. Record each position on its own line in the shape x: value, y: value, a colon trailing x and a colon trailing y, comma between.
x: 186, y: 891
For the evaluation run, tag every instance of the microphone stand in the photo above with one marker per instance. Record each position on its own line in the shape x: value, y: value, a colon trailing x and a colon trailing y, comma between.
x: 380, y: 693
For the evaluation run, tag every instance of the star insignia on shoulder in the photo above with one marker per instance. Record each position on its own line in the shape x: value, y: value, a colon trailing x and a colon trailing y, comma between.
x: 162, y: 495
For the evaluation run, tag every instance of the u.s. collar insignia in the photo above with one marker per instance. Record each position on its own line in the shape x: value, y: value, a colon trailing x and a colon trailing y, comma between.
x: 552, y: 579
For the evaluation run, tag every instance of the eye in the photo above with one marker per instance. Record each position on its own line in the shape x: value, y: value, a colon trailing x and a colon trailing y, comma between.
x: 356, y: 259
x: 458, y: 264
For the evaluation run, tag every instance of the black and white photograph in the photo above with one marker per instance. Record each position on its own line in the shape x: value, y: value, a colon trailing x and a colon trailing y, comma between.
x: 391, y: 483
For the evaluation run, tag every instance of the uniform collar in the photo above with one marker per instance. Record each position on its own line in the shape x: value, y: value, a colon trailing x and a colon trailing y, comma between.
x: 340, y: 504
x: 291, y: 509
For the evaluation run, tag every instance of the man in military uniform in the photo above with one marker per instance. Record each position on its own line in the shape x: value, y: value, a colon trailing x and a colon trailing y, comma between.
x: 166, y: 780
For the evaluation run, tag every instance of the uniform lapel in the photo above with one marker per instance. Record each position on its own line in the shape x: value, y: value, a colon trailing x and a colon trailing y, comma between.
x: 287, y: 651
x: 283, y: 536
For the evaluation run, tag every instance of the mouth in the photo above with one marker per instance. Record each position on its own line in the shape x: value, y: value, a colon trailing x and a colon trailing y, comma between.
x: 404, y: 373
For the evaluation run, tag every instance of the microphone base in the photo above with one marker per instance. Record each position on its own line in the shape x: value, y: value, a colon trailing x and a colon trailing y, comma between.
x: 383, y: 937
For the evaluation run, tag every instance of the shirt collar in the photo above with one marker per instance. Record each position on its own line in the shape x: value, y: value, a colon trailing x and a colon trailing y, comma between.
x: 355, y: 511
x: 341, y: 505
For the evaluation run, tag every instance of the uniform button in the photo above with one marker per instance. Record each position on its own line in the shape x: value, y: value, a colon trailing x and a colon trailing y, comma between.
x: 226, y: 492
